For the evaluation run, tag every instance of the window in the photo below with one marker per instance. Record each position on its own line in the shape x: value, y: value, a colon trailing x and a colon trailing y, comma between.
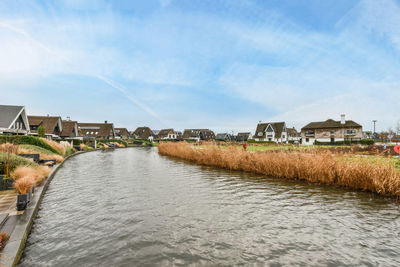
x: 332, y: 132
x: 350, y: 132
x: 283, y: 136
x: 307, y: 140
x: 269, y: 129
x: 310, y: 133
x: 260, y: 133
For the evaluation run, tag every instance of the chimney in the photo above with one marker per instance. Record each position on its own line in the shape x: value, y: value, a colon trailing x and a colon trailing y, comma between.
x: 105, y: 121
x: 342, y: 119
x: 68, y: 118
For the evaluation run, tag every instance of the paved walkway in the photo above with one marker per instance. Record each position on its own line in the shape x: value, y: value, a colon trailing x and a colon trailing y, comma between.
x: 8, y: 202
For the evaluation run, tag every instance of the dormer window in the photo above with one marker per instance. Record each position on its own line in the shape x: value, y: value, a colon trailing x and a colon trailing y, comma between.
x: 260, y: 133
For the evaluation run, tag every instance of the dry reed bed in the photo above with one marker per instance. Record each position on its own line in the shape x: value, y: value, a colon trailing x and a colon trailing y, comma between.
x: 324, y: 168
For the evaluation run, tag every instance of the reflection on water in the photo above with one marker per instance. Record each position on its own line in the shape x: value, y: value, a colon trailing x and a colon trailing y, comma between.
x: 134, y: 207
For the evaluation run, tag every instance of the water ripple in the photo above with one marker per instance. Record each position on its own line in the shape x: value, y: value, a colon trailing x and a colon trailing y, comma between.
x: 134, y: 207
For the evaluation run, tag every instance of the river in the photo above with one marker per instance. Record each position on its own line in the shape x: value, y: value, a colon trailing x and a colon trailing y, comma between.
x: 133, y: 207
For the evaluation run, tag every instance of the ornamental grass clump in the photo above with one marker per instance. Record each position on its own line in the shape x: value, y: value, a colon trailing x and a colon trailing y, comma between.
x: 314, y: 166
x: 57, y: 146
x: 24, y: 185
x: 39, y: 173
x: 4, y: 237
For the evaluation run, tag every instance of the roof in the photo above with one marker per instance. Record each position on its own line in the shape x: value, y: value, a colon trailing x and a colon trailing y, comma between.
x: 8, y: 114
x: 247, y: 134
x: 96, y: 129
x: 68, y: 128
x: 277, y: 126
x: 222, y: 136
x: 164, y: 132
x: 330, y: 124
x: 122, y: 132
x: 48, y: 122
x: 292, y: 132
x: 143, y: 132
x: 203, y: 134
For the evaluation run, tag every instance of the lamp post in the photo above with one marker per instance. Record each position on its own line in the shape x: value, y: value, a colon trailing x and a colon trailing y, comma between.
x: 374, y: 121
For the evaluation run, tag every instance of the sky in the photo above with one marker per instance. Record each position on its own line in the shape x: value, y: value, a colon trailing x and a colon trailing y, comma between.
x: 218, y: 64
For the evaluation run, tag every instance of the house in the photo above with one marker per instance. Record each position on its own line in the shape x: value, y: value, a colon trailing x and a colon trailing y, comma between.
x: 167, y: 134
x: 97, y: 130
x: 243, y: 137
x: 198, y: 134
x: 51, y: 124
x: 143, y: 133
x: 69, y: 129
x: 331, y: 131
x: 293, y: 135
x: 271, y: 131
x: 13, y: 120
x: 224, y: 137
x: 155, y: 133
x: 122, y: 133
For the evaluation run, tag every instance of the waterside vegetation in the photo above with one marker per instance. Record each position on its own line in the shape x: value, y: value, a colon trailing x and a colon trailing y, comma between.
x: 312, y: 165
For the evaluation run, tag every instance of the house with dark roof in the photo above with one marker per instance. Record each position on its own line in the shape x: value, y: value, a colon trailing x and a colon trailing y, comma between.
x: 243, y: 137
x: 198, y: 134
x: 224, y: 137
x: 96, y: 130
x: 293, y: 135
x: 122, y: 133
x: 69, y: 129
x: 271, y: 131
x: 331, y: 131
x: 165, y: 134
x: 51, y: 124
x: 13, y: 120
x: 143, y: 133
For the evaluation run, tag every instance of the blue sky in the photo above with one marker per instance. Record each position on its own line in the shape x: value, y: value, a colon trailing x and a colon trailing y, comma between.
x: 219, y: 64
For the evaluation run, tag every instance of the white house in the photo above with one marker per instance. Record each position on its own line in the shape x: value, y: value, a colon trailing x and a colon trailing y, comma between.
x: 271, y: 131
x: 165, y: 134
x: 13, y: 120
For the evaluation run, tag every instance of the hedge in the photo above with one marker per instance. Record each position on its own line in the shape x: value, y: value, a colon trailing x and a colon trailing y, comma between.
x: 29, y: 140
x: 346, y: 142
x: 252, y: 141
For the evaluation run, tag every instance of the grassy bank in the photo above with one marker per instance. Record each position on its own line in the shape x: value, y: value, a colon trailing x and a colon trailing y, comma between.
x: 314, y: 166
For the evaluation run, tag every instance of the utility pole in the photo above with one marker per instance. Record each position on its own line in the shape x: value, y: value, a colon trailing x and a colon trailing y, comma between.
x: 374, y: 121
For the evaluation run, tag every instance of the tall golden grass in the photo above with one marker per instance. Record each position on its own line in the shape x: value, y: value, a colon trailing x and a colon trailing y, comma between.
x: 24, y: 184
x: 61, y: 147
x: 38, y: 174
x: 324, y: 168
x: 43, y: 156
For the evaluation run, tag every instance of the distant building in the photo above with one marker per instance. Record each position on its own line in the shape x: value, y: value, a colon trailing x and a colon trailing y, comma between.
x: 167, y: 134
x: 13, y: 120
x: 243, y: 137
x: 143, y: 133
x: 293, y: 135
x: 224, y: 137
x: 97, y: 130
x: 331, y: 131
x: 69, y: 129
x: 122, y: 133
x: 271, y: 131
x: 198, y: 134
x: 51, y: 124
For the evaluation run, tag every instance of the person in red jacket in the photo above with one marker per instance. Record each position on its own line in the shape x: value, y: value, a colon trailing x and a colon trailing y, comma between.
x: 244, y: 146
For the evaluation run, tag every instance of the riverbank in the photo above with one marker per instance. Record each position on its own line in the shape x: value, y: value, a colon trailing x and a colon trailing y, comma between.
x: 22, y: 223
x: 378, y: 176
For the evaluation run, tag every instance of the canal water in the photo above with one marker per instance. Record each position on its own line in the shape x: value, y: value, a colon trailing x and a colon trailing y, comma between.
x: 133, y: 207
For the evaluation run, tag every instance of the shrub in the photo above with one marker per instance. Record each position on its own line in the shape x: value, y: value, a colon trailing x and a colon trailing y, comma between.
x: 4, y: 237
x: 24, y: 185
x: 41, y: 131
x: 113, y: 141
x: 252, y: 141
x: 29, y: 140
x: 346, y: 142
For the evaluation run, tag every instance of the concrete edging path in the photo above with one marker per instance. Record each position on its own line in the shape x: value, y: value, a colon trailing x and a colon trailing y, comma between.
x: 15, y: 246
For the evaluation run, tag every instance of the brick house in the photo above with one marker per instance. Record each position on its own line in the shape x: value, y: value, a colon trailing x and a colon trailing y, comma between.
x: 331, y: 131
